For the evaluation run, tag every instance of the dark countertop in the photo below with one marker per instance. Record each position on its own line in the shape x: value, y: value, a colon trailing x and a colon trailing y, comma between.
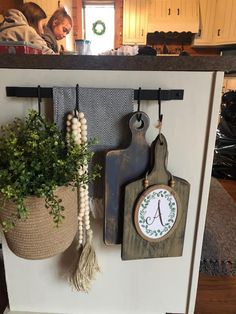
x: 122, y: 63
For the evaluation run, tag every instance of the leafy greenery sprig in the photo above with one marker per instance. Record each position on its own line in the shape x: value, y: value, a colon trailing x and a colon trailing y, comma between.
x: 36, y: 158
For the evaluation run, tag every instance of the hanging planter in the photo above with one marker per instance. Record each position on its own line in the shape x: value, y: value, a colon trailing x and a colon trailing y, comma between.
x: 36, y: 237
x: 39, y: 174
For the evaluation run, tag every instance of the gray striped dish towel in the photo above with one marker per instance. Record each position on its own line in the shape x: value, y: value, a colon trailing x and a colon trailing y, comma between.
x: 106, y: 111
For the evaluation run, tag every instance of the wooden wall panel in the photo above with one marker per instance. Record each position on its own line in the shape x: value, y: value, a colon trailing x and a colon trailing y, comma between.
x: 77, y: 19
x: 9, y: 4
x: 118, y: 23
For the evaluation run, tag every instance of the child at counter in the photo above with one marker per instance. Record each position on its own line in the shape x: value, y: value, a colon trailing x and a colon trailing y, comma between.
x: 57, y: 28
x: 25, y: 25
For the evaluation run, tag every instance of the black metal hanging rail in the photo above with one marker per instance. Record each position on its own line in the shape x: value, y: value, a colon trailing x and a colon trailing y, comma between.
x: 29, y: 92
x: 145, y: 94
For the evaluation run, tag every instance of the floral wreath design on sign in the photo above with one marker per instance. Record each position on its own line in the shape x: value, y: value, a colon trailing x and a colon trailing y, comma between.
x: 99, y: 27
x: 157, y: 213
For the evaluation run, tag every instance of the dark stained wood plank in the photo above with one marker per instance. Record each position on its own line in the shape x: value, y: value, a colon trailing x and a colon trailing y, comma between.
x: 229, y: 186
x: 216, y: 295
x: 121, y: 167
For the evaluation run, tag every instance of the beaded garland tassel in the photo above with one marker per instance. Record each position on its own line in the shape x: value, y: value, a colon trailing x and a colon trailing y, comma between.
x: 86, y: 266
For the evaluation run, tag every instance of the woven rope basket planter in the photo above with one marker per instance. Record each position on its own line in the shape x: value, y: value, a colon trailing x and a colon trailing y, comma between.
x: 37, y: 237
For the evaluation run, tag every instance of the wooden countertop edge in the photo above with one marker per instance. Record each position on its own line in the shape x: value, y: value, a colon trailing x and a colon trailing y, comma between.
x: 120, y: 63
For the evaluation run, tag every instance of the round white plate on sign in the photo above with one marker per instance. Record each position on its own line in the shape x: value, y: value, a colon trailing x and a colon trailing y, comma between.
x: 157, y: 213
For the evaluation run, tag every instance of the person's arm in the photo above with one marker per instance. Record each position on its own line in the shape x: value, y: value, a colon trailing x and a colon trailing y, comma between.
x: 44, y: 47
x: 38, y: 41
x: 50, y: 39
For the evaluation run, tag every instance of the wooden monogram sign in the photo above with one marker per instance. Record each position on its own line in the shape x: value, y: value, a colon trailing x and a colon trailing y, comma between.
x: 155, y: 210
x: 157, y: 213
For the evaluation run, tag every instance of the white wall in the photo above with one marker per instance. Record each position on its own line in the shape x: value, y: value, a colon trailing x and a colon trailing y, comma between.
x: 143, y: 286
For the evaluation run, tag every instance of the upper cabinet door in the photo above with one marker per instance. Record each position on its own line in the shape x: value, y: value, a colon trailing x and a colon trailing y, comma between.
x: 232, y: 24
x: 157, y: 14
x: 135, y: 22
x: 173, y: 16
x: 184, y: 15
x: 225, y: 22
x: 217, y: 23
x: 207, y: 20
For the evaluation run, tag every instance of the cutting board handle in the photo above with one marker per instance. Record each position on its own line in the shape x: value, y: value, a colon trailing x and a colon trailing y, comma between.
x: 139, y: 123
x: 159, y: 173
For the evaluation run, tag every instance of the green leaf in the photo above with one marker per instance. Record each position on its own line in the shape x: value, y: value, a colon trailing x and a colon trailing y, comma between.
x: 35, y: 160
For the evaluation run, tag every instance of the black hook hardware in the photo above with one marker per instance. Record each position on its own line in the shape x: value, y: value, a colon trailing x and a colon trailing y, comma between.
x: 77, y: 98
x: 138, y: 101
x: 39, y: 100
x: 160, y: 115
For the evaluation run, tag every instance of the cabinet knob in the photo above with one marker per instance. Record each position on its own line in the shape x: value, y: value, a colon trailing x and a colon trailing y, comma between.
x: 218, y: 32
x: 142, y: 32
x: 178, y: 11
x: 169, y: 11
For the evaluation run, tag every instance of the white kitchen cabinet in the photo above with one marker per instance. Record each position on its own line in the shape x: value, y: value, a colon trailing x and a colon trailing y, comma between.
x: 157, y: 15
x: 135, y: 22
x: 207, y: 19
x: 229, y: 84
x: 173, y: 16
x: 217, y: 23
x: 225, y: 22
x: 150, y: 286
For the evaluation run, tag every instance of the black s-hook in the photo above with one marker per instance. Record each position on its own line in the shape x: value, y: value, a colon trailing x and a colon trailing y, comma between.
x: 138, y: 102
x: 160, y: 115
x: 76, y: 99
x: 39, y: 100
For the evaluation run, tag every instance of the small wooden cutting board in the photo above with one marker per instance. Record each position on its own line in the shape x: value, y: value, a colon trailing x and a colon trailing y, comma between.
x: 136, y: 247
x: 121, y: 167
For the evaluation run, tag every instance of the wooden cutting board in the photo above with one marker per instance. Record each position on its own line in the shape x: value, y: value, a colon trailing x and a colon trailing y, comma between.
x: 121, y: 167
x: 135, y: 246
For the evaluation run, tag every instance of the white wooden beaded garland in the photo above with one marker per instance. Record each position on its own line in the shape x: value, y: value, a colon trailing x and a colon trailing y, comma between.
x: 77, y: 127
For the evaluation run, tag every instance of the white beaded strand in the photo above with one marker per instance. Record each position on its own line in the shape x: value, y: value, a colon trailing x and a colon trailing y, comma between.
x: 87, y: 265
x: 77, y: 127
x: 84, y: 206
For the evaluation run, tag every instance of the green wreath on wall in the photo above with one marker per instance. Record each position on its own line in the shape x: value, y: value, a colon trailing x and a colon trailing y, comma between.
x: 99, y: 27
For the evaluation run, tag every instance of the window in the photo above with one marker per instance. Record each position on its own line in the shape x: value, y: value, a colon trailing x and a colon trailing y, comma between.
x: 99, y: 27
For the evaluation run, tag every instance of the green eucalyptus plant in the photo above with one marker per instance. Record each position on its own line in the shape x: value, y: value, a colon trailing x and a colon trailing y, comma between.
x: 36, y: 158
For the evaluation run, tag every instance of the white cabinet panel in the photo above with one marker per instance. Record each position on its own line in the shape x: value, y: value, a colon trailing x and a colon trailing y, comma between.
x: 224, y: 27
x: 135, y: 22
x: 173, y: 15
x: 207, y: 18
x: 127, y: 287
x: 217, y: 23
